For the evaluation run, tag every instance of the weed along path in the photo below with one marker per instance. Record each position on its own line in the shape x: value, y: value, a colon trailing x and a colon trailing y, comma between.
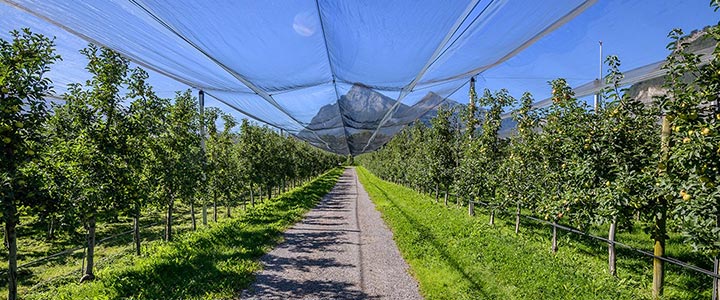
x: 342, y: 249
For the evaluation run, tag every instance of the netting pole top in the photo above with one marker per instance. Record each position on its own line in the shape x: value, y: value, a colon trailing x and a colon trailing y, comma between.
x: 598, y: 96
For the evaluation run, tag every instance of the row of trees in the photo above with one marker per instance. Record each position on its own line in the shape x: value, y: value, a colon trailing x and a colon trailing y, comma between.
x: 113, y: 147
x: 569, y: 162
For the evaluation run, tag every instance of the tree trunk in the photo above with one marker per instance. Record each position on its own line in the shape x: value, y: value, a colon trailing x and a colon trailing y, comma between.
x: 214, y: 206
x: 136, y: 232
x: 168, y: 220
x: 611, y: 247
x: 446, y: 197
x: 269, y: 192
x: 192, y: 216
x: 204, y: 214
x: 471, y: 208
x: 89, y: 275
x: 554, y: 238
x: 11, y: 236
x: 437, y: 192
x: 492, y: 217
x: 252, y: 197
x: 517, y: 219
x: 227, y: 214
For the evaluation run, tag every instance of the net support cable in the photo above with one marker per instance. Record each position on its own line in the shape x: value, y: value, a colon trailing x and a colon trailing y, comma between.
x: 143, y: 64
x: 633, y: 76
x: 438, y: 51
x: 552, y: 27
x: 258, y: 91
x: 555, y: 25
x: 334, y: 77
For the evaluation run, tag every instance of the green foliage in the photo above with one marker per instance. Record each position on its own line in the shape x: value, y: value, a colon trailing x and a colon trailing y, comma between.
x: 214, y: 262
x: 623, y: 171
x: 23, y: 88
x: 691, y: 180
x: 521, y: 167
x: 441, y: 139
x: 24, y: 61
x: 178, y: 150
x: 87, y: 134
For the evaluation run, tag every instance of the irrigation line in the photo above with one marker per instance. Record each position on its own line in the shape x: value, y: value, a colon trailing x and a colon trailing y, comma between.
x: 647, y: 253
x: 64, y: 252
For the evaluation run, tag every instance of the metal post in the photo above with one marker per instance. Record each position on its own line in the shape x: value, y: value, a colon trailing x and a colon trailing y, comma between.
x: 201, y: 102
x: 598, y: 96
x: 716, y: 282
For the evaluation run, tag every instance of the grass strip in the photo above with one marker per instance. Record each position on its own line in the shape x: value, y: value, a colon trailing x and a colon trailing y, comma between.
x: 455, y: 256
x: 216, y: 262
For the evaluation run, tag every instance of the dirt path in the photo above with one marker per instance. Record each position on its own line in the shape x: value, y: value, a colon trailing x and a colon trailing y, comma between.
x: 341, y: 250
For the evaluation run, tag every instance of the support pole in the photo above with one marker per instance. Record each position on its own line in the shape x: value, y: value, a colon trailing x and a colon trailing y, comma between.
x: 716, y: 282
x: 201, y: 104
x: 598, y: 96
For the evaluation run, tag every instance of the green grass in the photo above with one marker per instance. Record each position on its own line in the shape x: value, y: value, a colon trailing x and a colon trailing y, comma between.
x: 33, y: 245
x: 215, y: 262
x: 455, y: 256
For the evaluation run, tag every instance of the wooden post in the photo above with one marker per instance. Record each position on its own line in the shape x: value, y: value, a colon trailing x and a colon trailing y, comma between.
x: 252, y: 197
x: 192, y: 216
x: 716, y: 282
x: 471, y: 208
x: 89, y: 275
x: 517, y: 219
x: 660, y: 216
x: 554, y: 238
x: 169, y: 220
x: 611, y: 247
x: 136, y: 232
x: 201, y: 104
x: 716, y: 269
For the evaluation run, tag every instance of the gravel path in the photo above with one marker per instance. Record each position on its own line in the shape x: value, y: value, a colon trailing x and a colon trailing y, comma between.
x: 341, y: 250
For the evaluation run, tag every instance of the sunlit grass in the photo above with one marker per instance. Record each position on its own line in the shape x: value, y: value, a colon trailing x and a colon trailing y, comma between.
x: 455, y: 256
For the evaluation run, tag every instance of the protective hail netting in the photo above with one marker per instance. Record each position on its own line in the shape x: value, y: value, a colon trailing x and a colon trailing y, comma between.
x: 343, y: 75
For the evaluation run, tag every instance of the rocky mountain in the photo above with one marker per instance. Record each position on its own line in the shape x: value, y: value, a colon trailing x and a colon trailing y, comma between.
x: 647, y: 89
x: 358, y: 113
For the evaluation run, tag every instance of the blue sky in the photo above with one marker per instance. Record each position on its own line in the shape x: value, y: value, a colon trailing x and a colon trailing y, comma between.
x: 636, y: 31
